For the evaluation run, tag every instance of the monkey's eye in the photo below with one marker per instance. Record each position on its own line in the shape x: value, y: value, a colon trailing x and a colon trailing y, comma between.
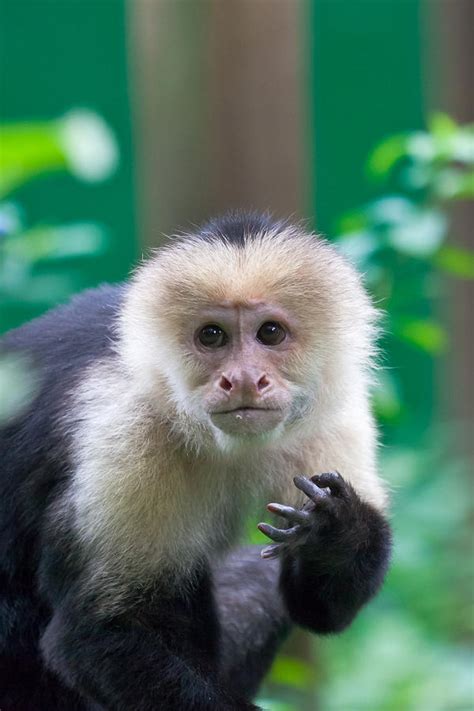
x: 212, y: 336
x: 271, y: 333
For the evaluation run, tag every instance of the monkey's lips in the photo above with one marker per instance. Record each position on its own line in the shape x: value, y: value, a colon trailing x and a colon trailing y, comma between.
x: 247, y: 420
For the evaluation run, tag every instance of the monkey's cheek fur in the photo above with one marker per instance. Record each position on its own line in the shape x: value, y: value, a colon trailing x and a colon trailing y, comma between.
x: 247, y: 421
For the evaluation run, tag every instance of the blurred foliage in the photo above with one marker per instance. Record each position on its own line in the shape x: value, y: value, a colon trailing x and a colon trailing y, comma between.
x: 36, y: 260
x: 79, y: 142
x: 411, y: 648
x: 400, y: 244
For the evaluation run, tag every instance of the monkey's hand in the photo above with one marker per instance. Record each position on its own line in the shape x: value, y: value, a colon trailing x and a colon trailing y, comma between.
x: 327, y: 526
x: 334, y: 552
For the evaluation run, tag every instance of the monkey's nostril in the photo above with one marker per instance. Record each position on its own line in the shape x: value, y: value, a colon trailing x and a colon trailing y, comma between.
x: 263, y: 383
x: 225, y: 384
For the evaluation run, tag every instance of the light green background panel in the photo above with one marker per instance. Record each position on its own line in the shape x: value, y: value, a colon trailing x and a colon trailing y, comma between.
x: 57, y: 55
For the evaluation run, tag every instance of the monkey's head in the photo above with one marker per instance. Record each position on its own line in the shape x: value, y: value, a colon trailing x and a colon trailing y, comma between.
x: 247, y: 330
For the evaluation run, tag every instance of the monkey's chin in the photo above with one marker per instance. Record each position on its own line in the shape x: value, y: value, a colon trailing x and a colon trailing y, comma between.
x: 247, y: 421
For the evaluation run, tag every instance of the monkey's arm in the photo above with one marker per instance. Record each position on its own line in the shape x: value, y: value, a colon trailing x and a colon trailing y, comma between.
x: 334, y: 555
x: 159, y: 652
x: 254, y: 620
x: 329, y: 562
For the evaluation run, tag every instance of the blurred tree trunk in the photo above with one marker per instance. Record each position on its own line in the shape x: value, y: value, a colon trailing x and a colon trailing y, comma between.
x: 219, y: 112
x: 169, y: 60
x: 453, y: 58
x: 257, y: 117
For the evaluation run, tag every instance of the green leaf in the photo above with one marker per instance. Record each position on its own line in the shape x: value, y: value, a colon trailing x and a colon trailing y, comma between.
x: 27, y: 150
x: 10, y: 219
x: 416, y: 176
x: 358, y: 247
x: 448, y: 183
x: 391, y: 210
x: 421, y: 234
x: 466, y: 187
x: 355, y: 221
x: 291, y: 672
x: 425, y: 334
x: 80, y: 142
x: 456, y: 261
x: 386, y: 155
x: 462, y: 145
x: 442, y: 125
x: 386, y: 397
x: 49, y: 242
x: 420, y: 146
x: 452, y: 142
x: 89, y: 144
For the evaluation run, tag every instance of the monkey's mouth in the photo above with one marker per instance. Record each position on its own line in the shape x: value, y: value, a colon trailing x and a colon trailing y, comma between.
x: 244, y: 408
x: 247, y: 419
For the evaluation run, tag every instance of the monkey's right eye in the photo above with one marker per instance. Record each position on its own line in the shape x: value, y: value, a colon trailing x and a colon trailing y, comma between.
x: 212, y: 336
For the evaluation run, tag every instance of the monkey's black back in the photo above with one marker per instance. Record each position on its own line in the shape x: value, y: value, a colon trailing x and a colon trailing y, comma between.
x: 33, y: 463
x: 56, y: 348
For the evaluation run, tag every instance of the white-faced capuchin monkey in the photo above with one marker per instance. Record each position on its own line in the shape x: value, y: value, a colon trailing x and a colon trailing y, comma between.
x: 231, y: 371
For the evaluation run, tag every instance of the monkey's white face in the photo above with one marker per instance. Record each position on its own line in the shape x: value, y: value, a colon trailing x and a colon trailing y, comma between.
x: 243, y: 353
x: 247, y: 342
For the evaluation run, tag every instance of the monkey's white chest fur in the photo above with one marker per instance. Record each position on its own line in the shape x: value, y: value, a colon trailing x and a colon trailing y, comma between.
x: 141, y: 502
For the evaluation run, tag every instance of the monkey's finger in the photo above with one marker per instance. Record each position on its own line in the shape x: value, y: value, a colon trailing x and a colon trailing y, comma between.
x: 271, y: 551
x: 290, y: 514
x: 332, y: 480
x: 310, y: 489
x: 279, y: 535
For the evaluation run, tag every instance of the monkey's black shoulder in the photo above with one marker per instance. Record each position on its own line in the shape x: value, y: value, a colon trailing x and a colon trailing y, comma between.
x: 52, y: 352
x: 69, y: 335
x: 239, y: 226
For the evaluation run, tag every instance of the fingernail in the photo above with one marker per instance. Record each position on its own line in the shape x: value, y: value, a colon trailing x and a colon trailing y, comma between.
x: 269, y: 552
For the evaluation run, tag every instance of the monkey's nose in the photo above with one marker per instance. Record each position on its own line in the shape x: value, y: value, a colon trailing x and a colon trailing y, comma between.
x: 263, y: 383
x: 225, y: 383
x: 244, y: 383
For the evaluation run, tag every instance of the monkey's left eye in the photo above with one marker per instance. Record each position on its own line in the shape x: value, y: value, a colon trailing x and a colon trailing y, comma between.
x: 271, y: 333
x: 212, y: 336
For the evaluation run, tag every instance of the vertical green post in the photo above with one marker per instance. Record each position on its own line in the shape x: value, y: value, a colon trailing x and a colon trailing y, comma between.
x: 366, y: 83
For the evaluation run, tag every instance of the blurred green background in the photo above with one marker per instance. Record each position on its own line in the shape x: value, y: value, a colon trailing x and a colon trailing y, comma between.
x: 123, y: 121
